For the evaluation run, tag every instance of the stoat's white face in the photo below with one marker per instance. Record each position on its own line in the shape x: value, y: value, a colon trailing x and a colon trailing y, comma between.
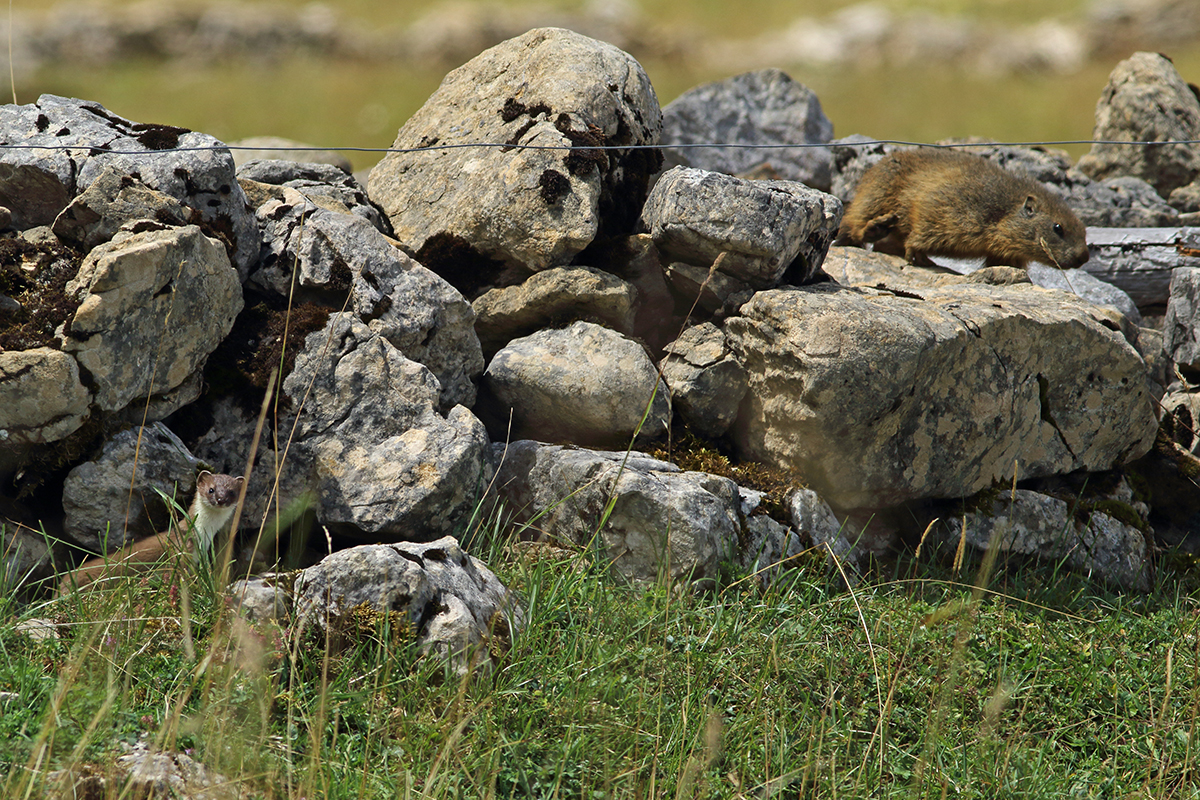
x: 216, y: 497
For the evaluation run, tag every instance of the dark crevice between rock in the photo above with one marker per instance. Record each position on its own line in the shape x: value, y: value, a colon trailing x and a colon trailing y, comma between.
x: 241, y: 365
x: 462, y: 266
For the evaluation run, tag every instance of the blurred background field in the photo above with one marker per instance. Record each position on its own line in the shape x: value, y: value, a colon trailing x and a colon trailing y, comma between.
x: 348, y: 73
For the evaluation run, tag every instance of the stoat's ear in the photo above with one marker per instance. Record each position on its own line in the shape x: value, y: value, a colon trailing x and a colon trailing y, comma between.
x: 241, y: 479
x: 203, y: 474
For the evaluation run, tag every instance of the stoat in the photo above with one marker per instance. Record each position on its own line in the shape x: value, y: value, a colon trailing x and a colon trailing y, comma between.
x: 216, y: 496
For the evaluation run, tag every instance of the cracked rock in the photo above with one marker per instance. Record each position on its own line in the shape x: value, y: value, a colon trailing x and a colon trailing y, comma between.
x: 878, y: 398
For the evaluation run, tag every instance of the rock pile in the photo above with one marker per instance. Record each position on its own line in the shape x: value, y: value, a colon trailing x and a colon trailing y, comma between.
x: 451, y: 341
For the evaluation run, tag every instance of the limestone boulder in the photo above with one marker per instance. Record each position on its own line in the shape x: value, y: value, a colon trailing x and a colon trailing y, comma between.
x: 387, y: 464
x: 1146, y: 100
x: 462, y: 209
x: 878, y: 398
x: 1181, y: 324
x: 551, y: 297
x: 154, y: 306
x: 42, y: 398
x: 454, y: 608
x: 583, y: 384
x: 707, y: 381
x: 764, y: 107
x: 325, y: 185
x: 764, y: 228
x: 1027, y: 523
x: 113, y: 498
x: 663, y: 521
x: 114, y: 199
x: 336, y: 253
x: 36, y: 185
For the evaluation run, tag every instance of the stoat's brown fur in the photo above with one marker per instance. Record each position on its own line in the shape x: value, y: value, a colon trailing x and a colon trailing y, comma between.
x: 216, y: 496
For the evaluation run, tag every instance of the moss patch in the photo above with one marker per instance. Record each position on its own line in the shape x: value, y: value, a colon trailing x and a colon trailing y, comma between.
x: 241, y: 365
x: 36, y: 276
x: 689, y: 452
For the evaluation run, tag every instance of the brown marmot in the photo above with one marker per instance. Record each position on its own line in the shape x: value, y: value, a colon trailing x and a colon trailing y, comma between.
x: 941, y: 203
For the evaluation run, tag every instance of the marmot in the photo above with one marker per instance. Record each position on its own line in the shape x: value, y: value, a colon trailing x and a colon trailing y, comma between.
x: 936, y: 202
x: 216, y: 496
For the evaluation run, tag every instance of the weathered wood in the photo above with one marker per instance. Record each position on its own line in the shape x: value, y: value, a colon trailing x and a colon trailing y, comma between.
x: 1139, y: 260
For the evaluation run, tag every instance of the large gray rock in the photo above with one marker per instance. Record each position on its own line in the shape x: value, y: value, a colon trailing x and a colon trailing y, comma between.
x: 1023, y: 522
x: 583, y: 384
x: 387, y: 463
x: 111, y: 500
x: 551, y: 297
x: 662, y: 522
x: 876, y: 399
x: 1181, y: 324
x: 414, y: 309
x: 765, y: 228
x: 1146, y: 101
x: 707, y: 382
x: 765, y: 107
x: 36, y: 185
x: 42, y: 399
x: 114, y: 199
x: 455, y: 608
x: 154, y: 305
x: 528, y: 208
x: 26, y: 556
x: 1081, y: 282
x: 325, y: 185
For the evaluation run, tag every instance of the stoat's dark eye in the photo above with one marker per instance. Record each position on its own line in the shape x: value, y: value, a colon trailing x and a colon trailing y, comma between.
x: 1058, y: 229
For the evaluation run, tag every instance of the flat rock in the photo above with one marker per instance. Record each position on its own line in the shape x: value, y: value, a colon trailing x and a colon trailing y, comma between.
x: 876, y: 399
x: 549, y: 297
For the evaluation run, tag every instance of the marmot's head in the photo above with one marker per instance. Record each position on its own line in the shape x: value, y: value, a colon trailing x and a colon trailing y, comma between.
x: 1045, y: 229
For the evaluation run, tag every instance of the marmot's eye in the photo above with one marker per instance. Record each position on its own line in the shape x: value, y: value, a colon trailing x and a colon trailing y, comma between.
x: 1058, y: 229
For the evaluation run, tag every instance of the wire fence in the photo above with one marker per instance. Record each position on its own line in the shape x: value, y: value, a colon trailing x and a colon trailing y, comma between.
x: 614, y: 147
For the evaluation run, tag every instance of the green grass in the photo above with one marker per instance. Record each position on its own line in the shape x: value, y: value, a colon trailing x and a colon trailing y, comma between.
x: 334, y: 103
x: 913, y: 685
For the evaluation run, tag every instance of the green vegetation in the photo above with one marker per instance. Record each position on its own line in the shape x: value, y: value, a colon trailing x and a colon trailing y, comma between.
x: 912, y: 685
x: 363, y: 104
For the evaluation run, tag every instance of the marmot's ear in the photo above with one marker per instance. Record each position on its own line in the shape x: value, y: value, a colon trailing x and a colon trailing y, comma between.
x: 1030, y: 207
